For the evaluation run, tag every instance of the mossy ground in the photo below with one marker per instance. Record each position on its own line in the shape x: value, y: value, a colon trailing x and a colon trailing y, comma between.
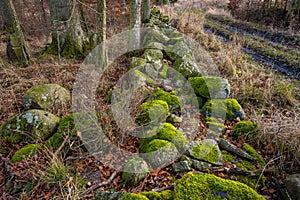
x: 26, y: 151
x: 245, y: 128
x: 205, y: 151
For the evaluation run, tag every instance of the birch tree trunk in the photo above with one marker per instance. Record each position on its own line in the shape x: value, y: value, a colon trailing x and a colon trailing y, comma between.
x: 134, y: 24
x: 16, y: 48
x: 68, y: 38
x: 146, y: 11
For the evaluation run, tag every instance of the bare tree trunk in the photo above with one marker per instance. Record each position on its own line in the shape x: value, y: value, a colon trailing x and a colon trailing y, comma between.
x: 68, y: 38
x: 146, y: 11
x: 16, y: 47
x: 101, y: 4
x: 134, y: 24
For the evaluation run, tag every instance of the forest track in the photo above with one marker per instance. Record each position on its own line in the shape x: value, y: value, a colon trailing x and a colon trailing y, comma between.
x: 276, y: 50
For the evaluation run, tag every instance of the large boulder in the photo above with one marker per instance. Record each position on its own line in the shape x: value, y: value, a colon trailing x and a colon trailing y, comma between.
x: 293, y: 186
x: 228, y: 109
x: 152, y: 55
x: 210, y: 87
x: 206, y: 150
x: 208, y: 186
x: 32, y: 125
x: 49, y: 97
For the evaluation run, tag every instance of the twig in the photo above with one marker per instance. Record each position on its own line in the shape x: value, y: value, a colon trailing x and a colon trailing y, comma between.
x: 100, y: 184
x: 62, y: 145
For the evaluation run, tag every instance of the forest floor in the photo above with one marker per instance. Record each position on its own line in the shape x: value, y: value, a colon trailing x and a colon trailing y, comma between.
x: 270, y: 99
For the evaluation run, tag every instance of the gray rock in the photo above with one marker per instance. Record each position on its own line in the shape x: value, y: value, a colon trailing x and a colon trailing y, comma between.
x: 152, y: 55
x: 49, y: 97
x: 200, y: 165
x: 32, y: 125
x: 182, y: 166
x: 206, y: 150
x: 292, y: 183
x: 137, y: 62
x: 155, y: 45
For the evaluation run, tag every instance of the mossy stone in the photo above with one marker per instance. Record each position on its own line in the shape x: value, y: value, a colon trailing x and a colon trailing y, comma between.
x: 31, y: 125
x: 137, y: 62
x: 144, y: 78
x: 191, y: 185
x: 249, y: 149
x: 168, y: 132
x: 135, y: 170
x: 164, y: 195
x: 153, y: 111
x: 26, y: 151
x: 210, y: 87
x: 155, y: 45
x: 133, y: 196
x: 152, y: 55
x: 54, y: 141
x: 245, y: 128
x: 49, y: 97
x: 172, y: 100
x: 206, y: 150
x: 228, y: 109
x: 158, y: 152
x: 154, y: 35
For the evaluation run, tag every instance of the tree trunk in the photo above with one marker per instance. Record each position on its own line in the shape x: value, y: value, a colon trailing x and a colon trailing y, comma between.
x: 134, y: 24
x: 16, y: 48
x: 101, y: 7
x: 68, y: 38
x: 146, y: 11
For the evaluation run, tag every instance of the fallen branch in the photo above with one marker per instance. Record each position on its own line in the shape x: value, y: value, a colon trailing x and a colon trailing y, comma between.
x: 100, y: 184
x: 239, y: 171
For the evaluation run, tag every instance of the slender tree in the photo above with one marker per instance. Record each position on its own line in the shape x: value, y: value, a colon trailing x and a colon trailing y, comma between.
x: 101, y: 7
x: 134, y: 24
x: 68, y: 37
x: 16, y: 46
x: 146, y: 11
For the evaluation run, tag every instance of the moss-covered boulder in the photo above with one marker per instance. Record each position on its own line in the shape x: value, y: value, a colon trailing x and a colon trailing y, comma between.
x: 158, y: 152
x: 191, y: 185
x: 135, y: 170
x: 168, y: 132
x: 210, y: 87
x: 152, y: 55
x: 49, y: 97
x: 137, y: 62
x: 245, y: 128
x: 153, y: 111
x: 143, y: 78
x: 206, y: 150
x: 32, y: 125
x: 228, y: 109
x: 172, y: 100
x: 164, y: 195
x: 155, y: 45
x: 26, y: 151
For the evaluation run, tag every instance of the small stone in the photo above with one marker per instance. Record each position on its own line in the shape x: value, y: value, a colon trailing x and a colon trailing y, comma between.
x: 200, y: 165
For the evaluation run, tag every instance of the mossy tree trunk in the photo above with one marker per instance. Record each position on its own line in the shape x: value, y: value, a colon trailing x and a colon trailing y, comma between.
x: 146, y: 11
x: 134, y: 24
x: 101, y: 7
x: 16, y: 47
x: 68, y: 37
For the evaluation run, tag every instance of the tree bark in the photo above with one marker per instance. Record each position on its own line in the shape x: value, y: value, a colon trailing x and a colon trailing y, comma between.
x: 134, y: 24
x: 68, y: 38
x: 16, y: 48
x: 101, y: 7
x: 146, y: 11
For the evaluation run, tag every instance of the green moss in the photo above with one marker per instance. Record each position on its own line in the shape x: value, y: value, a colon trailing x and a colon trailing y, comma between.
x: 218, y: 108
x: 152, y: 55
x: 153, y: 112
x: 133, y: 196
x: 143, y: 77
x: 168, y: 132
x: 27, y: 151
x: 205, y: 151
x: 135, y: 170
x: 137, y: 62
x: 164, y: 195
x: 245, y: 128
x: 207, y: 186
x: 154, y: 145
x: 164, y: 72
x: 172, y: 100
x: 210, y: 87
x: 10, y: 136
x: 240, y: 163
x: 216, y: 126
x: 249, y: 149
x: 54, y: 141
